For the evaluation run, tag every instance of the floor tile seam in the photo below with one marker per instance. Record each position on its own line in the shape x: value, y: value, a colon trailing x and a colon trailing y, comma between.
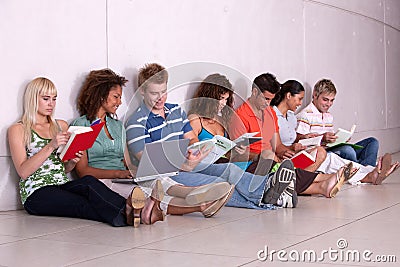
x: 341, y: 226
x: 43, y: 236
x: 197, y: 253
x: 57, y: 218
x: 162, y: 250
x: 98, y: 257
x: 197, y: 230
x: 62, y: 241
x: 10, y: 242
x: 312, y: 264
x: 329, y: 231
x: 18, y: 241
x: 50, y: 233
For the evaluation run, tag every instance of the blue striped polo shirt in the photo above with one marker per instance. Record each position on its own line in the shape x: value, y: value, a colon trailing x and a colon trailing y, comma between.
x: 146, y: 127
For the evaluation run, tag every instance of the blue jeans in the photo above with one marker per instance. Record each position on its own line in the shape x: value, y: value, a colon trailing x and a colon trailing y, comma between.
x: 249, y: 188
x: 85, y: 198
x: 364, y: 156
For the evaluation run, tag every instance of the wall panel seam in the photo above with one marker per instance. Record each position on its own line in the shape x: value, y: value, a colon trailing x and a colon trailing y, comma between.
x: 354, y: 13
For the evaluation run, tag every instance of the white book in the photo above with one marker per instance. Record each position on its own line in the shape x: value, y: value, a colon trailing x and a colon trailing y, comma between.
x: 342, y: 136
x: 219, y: 146
x: 314, y: 141
x: 247, y: 139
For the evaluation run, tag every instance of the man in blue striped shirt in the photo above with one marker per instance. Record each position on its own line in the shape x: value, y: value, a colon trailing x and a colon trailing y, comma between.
x: 157, y: 120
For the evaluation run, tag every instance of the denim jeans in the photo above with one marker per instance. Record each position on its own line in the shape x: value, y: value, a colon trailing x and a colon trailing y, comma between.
x: 249, y: 188
x: 364, y: 156
x: 85, y: 198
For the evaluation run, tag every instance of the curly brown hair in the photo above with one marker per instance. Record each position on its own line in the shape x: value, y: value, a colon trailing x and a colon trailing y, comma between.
x: 95, y: 91
x: 213, y: 86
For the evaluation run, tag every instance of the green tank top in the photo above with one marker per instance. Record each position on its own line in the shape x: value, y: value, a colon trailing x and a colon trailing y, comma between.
x: 51, y: 172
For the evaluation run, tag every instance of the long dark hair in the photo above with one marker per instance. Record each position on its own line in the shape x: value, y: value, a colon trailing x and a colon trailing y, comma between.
x: 291, y: 86
x: 212, y: 87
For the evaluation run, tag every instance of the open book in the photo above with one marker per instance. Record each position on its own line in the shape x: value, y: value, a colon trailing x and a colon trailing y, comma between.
x: 303, y: 159
x: 342, y: 137
x: 219, y: 146
x: 247, y: 139
x: 82, y: 138
x: 310, y: 142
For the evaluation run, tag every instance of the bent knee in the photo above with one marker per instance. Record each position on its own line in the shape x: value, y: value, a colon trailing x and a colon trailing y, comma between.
x: 321, y: 153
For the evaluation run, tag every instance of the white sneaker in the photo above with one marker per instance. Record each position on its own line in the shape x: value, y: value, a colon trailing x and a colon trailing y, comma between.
x: 288, y: 198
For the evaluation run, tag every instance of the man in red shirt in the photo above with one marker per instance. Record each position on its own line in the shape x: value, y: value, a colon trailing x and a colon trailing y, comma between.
x: 257, y: 116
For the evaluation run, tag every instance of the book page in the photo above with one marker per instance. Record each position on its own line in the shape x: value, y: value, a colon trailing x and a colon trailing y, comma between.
x: 80, y: 140
x: 343, y: 136
x: 221, y: 146
x: 79, y: 129
x: 204, y: 145
x: 247, y: 139
x: 74, y: 130
x: 315, y: 141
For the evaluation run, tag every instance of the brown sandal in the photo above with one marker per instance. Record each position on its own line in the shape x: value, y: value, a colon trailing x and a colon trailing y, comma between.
x: 340, y: 179
x: 135, y: 202
x: 153, y: 204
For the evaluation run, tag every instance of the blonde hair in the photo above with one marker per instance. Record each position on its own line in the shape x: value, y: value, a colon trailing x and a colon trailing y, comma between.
x: 324, y: 86
x: 37, y: 87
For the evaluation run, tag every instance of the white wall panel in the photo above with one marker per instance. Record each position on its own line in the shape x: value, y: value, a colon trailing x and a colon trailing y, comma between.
x: 9, y: 190
x: 61, y: 40
x: 392, y: 11
x: 370, y: 8
x: 253, y: 37
x: 392, y: 77
x: 349, y: 50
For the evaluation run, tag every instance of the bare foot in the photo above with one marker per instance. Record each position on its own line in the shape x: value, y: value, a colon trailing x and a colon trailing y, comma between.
x: 384, y: 174
x: 371, y: 177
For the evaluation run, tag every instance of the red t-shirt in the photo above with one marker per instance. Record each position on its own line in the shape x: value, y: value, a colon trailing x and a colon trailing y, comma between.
x: 250, y: 123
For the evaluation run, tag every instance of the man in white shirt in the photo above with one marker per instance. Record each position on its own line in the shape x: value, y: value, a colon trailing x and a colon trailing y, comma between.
x: 315, y: 118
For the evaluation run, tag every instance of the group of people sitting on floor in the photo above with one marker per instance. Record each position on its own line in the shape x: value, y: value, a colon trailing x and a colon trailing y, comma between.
x: 259, y: 175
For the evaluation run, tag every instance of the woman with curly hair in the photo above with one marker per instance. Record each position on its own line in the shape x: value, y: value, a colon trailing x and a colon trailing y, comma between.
x: 109, y: 159
x: 211, y: 110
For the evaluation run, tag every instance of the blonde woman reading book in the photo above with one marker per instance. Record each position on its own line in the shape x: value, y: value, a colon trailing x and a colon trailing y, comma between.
x: 44, y: 187
x: 99, y: 98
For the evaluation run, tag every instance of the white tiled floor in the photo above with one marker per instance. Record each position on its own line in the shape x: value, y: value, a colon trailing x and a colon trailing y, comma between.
x: 367, y: 217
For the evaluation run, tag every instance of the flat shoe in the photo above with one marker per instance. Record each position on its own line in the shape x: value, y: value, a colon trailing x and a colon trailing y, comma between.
x: 207, y: 193
x: 137, y: 200
x: 218, y: 204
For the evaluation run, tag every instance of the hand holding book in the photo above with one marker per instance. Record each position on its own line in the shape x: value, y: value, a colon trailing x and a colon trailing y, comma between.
x: 304, y: 158
x: 81, y: 138
x: 329, y: 138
